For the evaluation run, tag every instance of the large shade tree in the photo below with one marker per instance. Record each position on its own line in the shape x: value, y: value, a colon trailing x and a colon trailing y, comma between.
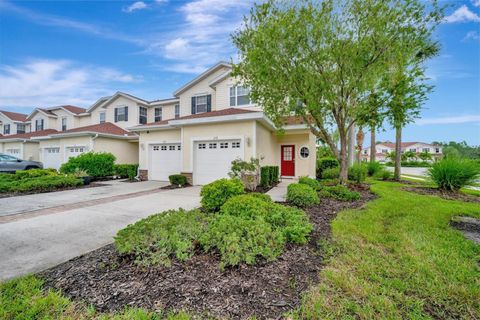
x: 320, y: 60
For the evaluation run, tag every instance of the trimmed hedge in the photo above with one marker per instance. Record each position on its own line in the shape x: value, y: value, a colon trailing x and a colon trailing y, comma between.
x: 97, y: 165
x: 325, y: 163
x: 42, y: 183
x: 331, y: 173
x: 339, y: 192
x: 269, y: 175
x: 178, y: 180
x: 126, y: 170
x: 314, y: 184
x: 215, y: 194
x: 301, y: 195
x: 358, y: 172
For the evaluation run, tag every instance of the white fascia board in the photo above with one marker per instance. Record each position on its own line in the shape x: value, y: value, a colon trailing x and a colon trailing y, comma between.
x: 150, y: 127
x: 201, y: 76
x: 228, y: 118
x: 164, y: 101
x: 89, y: 133
x: 14, y: 140
x: 218, y: 79
x: 41, y: 111
x: 295, y: 127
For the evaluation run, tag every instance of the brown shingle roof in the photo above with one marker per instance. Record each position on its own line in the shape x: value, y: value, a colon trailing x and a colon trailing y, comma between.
x: 47, y: 111
x: 74, y: 109
x: 403, y: 144
x: 292, y: 120
x: 15, y: 116
x: 106, y: 128
x: 30, y: 134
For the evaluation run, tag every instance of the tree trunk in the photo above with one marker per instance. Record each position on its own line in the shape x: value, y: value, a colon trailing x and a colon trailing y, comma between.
x: 360, y: 138
x: 373, y: 149
x: 351, y: 145
x: 343, y: 158
x: 398, y: 153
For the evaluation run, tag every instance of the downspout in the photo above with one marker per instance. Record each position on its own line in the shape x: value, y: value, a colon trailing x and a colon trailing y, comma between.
x: 92, y: 145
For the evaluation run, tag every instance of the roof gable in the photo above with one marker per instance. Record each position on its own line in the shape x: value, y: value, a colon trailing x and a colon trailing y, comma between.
x: 105, y: 101
x: 202, y: 76
x: 15, y: 116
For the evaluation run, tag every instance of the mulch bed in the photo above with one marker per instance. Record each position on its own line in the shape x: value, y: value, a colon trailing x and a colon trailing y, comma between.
x: 267, y: 290
x: 261, y: 189
x: 17, y: 194
x: 171, y: 187
x: 448, y: 195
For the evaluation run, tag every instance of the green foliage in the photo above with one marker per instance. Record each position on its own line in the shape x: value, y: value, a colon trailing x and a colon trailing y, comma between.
x: 324, y: 164
x: 34, y: 173
x: 383, y: 174
x: 453, y: 173
x: 373, y: 168
x: 459, y: 149
x: 425, y: 156
x: 331, y: 173
x: 126, y: 170
x: 262, y: 196
x: 269, y: 175
x: 178, y: 180
x: 215, y: 194
x: 301, y: 195
x: 339, y: 192
x: 96, y: 164
x: 38, y: 180
x: 313, y: 183
x: 240, y: 166
x: 358, y: 172
x: 158, y: 238
x: 324, y: 152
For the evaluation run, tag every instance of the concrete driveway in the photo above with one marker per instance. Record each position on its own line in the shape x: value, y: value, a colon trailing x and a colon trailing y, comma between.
x: 31, y: 241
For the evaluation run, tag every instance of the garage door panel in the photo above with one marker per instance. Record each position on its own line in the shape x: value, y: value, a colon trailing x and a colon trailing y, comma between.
x: 165, y: 160
x: 52, y: 158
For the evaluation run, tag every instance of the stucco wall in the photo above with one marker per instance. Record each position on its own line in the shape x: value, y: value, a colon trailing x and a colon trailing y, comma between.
x: 125, y: 151
x: 267, y: 150
x: 31, y: 151
x: 168, y: 112
x: 48, y: 123
x: 161, y: 136
x: 303, y: 167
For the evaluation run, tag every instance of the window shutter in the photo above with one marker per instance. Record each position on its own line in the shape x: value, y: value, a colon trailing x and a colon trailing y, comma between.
x: 116, y: 114
x: 126, y: 113
x: 209, y: 103
x: 193, y: 104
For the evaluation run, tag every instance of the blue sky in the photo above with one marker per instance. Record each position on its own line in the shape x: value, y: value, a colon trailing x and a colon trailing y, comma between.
x: 71, y: 52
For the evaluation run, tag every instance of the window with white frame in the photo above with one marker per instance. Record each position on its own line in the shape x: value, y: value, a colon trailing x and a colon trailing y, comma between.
x: 212, y: 146
x: 437, y: 150
x: 413, y: 150
x: 426, y: 150
x: 223, y: 145
x: 202, y: 146
x: 201, y: 104
x: 304, y: 152
x: 171, y: 148
x: 384, y: 150
x: 177, y: 110
x: 102, y: 117
x: 164, y: 148
x: 235, y: 145
x: 158, y: 114
x: 20, y: 128
x: 239, y: 96
x: 39, y: 124
x: 121, y: 114
x: 6, y: 129
x: 142, y: 115
x: 64, y: 124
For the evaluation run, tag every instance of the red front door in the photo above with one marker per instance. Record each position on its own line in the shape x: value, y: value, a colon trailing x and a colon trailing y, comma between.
x: 288, y: 161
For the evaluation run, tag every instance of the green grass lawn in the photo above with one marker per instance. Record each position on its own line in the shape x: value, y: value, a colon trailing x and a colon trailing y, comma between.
x: 397, y: 258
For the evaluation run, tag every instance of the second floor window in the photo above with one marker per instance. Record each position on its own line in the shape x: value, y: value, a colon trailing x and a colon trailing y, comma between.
x: 20, y: 128
x: 6, y: 129
x: 177, y: 110
x: 158, y: 114
x: 426, y: 150
x: 201, y: 104
x: 239, y: 96
x: 142, y: 115
x: 384, y: 150
x: 413, y: 150
x: 437, y: 150
x: 39, y: 125
x: 121, y: 114
x: 64, y: 124
x: 102, y: 117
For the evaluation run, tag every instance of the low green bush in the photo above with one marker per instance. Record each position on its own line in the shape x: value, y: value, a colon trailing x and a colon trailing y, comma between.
x: 313, y: 183
x: 178, y: 180
x: 301, y: 195
x: 373, y: 168
x: 97, y: 165
x: 358, y: 172
x: 160, y: 237
x: 331, y: 173
x: 269, y: 175
x: 383, y: 174
x: 339, y: 192
x: 43, y: 183
x: 216, y: 193
x: 325, y: 163
x: 451, y: 173
x: 262, y: 196
x: 126, y: 171
x: 34, y: 173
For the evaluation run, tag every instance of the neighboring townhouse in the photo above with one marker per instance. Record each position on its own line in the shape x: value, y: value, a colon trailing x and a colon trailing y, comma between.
x: 210, y: 122
x: 384, y: 148
x: 22, y: 145
x: 13, y: 123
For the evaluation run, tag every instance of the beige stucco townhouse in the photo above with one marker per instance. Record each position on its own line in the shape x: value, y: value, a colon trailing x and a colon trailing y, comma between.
x: 211, y: 121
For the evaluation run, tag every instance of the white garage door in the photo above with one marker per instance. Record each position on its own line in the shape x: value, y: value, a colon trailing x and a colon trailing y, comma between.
x: 51, y: 158
x: 74, y: 151
x: 213, y: 159
x: 13, y: 152
x: 165, y: 160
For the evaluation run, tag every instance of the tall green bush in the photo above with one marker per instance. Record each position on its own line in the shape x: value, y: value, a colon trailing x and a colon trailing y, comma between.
x: 216, y: 193
x: 358, y: 172
x: 97, y: 165
x: 269, y: 175
x: 452, y: 173
x: 373, y: 168
x: 126, y: 170
x: 325, y: 163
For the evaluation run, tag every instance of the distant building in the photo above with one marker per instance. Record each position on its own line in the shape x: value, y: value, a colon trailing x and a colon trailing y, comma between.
x: 384, y: 148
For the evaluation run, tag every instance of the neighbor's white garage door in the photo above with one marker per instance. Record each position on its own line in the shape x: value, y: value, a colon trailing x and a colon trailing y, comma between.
x: 213, y: 159
x: 52, y: 158
x: 74, y: 151
x: 165, y: 160
x: 13, y: 152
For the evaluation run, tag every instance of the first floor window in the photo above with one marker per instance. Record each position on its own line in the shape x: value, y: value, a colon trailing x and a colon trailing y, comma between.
x: 235, y: 144
x: 39, y: 125
x: 20, y: 128
x: 142, y: 117
x: 64, y: 124
x: 384, y: 151
x: 304, y: 152
x: 437, y: 150
x: 413, y: 150
x: 6, y: 129
x: 239, y: 96
x: 177, y: 110
x: 426, y: 149
x: 121, y: 114
x: 158, y: 114
x: 102, y: 117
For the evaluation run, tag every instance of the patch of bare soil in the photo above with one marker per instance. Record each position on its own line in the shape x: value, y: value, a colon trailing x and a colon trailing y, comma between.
x: 16, y: 194
x: 469, y: 226
x: 448, y: 195
x: 266, y: 290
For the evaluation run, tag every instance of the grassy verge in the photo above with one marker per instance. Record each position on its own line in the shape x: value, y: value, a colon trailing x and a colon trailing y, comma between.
x: 399, y: 259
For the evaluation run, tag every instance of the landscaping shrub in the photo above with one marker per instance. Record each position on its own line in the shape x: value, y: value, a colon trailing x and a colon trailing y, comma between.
x: 126, y: 171
x: 178, y: 180
x: 34, y: 173
x: 39, y: 184
x: 96, y: 164
x: 269, y: 175
x: 339, y: 192
x: 262, y: 196
x: 158, y: 238
x: 325, y: 163
x: 357, y: 172
x: 216, y: 193
x: 275, y: 174
x: 313, y: 183
x: 383, y: 174
x: 331, y: 173
x: 373, y: 168
x: 301, y: 195
x: 453, y: 173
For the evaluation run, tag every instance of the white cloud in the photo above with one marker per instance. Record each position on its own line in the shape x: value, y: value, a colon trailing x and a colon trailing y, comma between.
x: 476, y: 3
x: 462, y: 14
x: 449, y: 120
x: 472, y: 35
x: 139, y: 5
x: 161, y: 1
x: 53, y: 82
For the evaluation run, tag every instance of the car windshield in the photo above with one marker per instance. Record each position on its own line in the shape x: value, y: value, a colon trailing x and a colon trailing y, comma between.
x: 6, y: 157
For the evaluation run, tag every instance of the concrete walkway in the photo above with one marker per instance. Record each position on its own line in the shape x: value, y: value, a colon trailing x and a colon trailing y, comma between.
x: 34, y: 244
x: 279, y: 192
